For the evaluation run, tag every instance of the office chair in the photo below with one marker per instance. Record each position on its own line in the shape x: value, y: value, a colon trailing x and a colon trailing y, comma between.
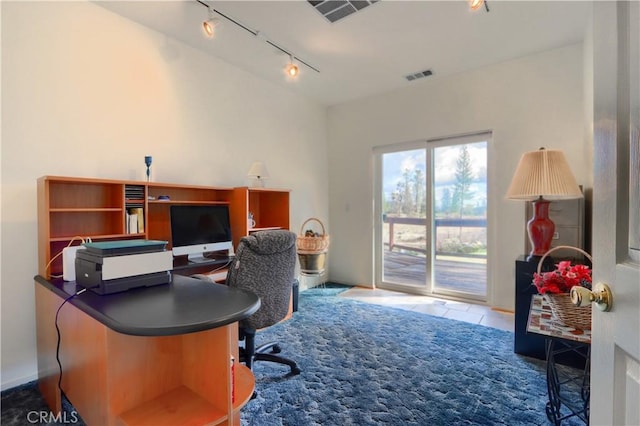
x: 265, y: 265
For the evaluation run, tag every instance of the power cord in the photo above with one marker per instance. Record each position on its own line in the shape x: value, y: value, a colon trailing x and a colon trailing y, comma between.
x: 59, y: 337
x: 228, y: 262
x: 208, y: 275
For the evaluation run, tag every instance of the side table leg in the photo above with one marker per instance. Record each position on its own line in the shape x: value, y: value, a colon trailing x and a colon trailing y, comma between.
x: 553, y: 406
x: 586, y: 385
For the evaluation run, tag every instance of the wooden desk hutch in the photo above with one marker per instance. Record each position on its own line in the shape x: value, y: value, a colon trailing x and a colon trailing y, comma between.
x: 71, y: 207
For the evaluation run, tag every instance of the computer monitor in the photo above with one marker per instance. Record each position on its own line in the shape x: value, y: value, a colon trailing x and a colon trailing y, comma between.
x: 200, y: 229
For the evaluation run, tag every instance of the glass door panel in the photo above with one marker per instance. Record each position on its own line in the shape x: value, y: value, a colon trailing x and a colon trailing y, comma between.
x: 460, y: 219
x: 404, y: 231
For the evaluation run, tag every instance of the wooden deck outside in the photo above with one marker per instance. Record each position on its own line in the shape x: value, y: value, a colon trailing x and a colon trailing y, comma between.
x: 451, y: 273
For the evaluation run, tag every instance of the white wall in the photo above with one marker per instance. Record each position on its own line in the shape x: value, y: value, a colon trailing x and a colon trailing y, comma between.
x: 527, y: 103
x: 88, y: 93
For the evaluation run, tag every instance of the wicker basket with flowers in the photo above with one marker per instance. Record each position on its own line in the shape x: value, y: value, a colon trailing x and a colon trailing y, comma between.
x: 556, y: 285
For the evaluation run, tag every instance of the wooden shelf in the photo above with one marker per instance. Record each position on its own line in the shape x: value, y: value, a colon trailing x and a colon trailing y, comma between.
x: 83, y: 210
x: 100, y: 237
x: 177, y: 407
x: 244, y: 387
x: 203, y: 203
x: 269, y: 207
x: 266, y: 228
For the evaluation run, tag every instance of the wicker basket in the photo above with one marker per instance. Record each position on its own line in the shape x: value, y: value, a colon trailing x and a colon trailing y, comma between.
x: 565, y: 312
x: 312, y: 244
x: 312, y: 263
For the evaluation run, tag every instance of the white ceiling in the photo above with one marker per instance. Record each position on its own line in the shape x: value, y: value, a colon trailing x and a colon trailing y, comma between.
x: 369, y: 51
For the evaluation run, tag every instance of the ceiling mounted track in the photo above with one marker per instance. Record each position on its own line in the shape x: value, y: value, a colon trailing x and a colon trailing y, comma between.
x: 257, y: 33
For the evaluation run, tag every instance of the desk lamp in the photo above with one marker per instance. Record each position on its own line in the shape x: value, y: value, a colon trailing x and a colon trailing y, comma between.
x: 542, y: 176
x: 258, y: 171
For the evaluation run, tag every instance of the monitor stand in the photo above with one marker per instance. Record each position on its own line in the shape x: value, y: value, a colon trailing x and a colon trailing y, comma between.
x: 209, y: 257
x: 198, y: 258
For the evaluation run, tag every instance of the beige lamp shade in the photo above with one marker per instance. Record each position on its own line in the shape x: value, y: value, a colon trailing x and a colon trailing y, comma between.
x: 258, y: 170
x: 543, y: 173
x: 258, y: 173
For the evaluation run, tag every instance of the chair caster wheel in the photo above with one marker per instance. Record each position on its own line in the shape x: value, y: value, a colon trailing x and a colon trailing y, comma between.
x: 276, y: 349
x: 295, y: 371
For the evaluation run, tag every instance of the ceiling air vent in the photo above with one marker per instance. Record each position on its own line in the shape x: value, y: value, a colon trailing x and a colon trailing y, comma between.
x: 417, y: 75
x: 334, y: 10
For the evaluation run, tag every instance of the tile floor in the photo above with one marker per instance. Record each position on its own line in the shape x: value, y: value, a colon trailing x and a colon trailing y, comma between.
x: 462, y: 311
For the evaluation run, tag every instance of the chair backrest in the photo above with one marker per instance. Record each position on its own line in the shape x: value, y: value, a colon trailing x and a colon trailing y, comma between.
x: 265, y: 265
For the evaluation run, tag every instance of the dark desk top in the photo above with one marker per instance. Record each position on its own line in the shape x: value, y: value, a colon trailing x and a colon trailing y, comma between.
x: 184, y: 306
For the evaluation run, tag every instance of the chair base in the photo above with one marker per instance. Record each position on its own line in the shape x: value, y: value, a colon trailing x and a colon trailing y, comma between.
x: 266, y: 352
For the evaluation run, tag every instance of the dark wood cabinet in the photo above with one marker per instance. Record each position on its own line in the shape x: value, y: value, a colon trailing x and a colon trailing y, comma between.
x: 526, y: 344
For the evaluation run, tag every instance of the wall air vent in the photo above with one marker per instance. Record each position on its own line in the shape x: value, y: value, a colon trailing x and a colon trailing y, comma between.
x: 417, y: 75
x: 334, y: 10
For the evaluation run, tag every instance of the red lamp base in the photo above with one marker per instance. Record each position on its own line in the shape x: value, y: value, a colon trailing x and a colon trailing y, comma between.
x: 540, y: 228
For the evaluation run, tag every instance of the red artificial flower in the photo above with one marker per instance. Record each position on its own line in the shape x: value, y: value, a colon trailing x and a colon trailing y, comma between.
x: 562, y: 278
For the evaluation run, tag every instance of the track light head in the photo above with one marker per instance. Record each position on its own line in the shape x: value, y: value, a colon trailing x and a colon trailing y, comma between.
x: 209, y: 25
x: 292, y: 69
x: 477, y: 4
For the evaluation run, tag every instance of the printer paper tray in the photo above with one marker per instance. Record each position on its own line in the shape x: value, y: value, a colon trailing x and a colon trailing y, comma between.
x: 123, y: 284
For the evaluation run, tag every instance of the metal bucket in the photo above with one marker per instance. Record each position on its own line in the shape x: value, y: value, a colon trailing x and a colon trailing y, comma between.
x: 312, y: 263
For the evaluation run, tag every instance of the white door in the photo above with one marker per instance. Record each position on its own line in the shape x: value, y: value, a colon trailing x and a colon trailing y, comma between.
x: 615, y: 356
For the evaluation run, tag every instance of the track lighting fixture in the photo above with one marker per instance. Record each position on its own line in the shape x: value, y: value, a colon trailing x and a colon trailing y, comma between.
x: 209, y: 25
x: 477, y: 4
x: 292, y: 69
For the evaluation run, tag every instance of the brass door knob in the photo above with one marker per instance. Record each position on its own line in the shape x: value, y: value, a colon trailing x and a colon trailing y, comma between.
x: 600, y: 295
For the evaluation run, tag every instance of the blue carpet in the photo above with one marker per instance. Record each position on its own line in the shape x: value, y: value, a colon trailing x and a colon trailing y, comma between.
x: 364, y: 364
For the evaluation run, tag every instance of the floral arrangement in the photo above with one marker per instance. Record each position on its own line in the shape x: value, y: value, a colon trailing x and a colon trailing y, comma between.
x: 563, y: 278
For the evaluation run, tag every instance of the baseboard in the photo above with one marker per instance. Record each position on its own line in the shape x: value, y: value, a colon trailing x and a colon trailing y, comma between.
x: 17, y: 382
x: 310, y: 281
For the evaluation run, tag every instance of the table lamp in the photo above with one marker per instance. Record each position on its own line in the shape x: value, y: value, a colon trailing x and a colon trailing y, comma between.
x: 258, y: 171
x: 542, y: 176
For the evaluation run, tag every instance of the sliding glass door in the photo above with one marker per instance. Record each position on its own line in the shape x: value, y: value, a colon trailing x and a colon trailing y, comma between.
x: 431, y: 217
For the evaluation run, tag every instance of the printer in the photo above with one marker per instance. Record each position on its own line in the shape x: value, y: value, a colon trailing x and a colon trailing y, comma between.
x: 114, y: 266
